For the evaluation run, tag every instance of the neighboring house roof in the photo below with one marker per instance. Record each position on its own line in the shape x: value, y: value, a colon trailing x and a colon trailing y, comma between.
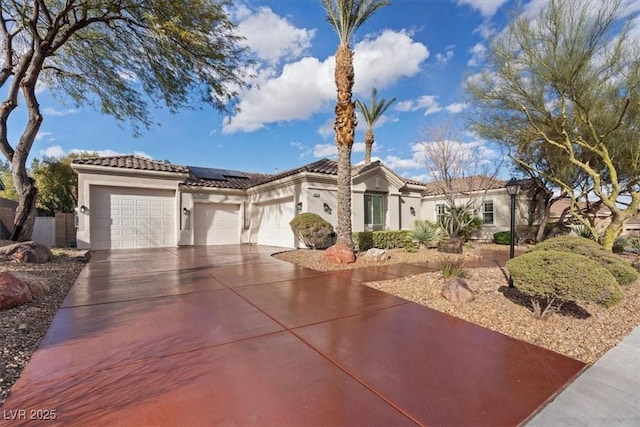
x: 463, y: 185
x: 131, y: 162
x: 250, y: 180
x: 560, y: 205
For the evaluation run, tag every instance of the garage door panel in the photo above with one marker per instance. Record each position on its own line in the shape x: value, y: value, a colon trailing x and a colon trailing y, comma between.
x: 272, y: 220
x: 216, y: 223
x: 132, y: 218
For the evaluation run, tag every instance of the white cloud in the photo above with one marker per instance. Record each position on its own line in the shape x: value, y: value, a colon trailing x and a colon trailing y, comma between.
x: 307, y: 86
x: 478, y: 53
x: 326, y: 129
x: 487, y: 8
x: 109, y: 152
x: 41, y: 135
x: 282, y: 41
x: 325, y: 150
x: 445, y: 57
x: 427, y: 102
x: 395, y: 162
x: 53, y: 151
x: 456, y: 107
x: 48, y: 111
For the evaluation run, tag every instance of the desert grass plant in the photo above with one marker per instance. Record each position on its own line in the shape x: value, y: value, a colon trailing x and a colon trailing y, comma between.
x: 551, y: 278
x: 581, y: 230
x: 452, y: 267
x: 635, y: 245
x: 426, y: 233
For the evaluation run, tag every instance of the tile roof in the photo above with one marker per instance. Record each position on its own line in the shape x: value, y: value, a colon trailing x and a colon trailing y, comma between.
x: 251, y: 180
x: 131, y: 162
x: 468, y: 184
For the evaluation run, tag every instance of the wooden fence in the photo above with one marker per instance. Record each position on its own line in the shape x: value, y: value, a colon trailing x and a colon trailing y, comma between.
x: 59, y: 231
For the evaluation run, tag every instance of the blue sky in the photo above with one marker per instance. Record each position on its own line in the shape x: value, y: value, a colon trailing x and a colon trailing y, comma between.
x: 419, y: 51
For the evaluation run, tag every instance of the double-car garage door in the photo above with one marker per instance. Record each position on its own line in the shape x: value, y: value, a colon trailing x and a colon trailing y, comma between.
x: 123, y: 218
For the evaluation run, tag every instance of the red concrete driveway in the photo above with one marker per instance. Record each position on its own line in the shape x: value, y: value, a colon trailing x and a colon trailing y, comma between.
x: 230, y: 336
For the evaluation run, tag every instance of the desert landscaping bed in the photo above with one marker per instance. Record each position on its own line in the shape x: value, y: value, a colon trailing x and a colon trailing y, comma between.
x: 584, y: 332
x: 22, y: 327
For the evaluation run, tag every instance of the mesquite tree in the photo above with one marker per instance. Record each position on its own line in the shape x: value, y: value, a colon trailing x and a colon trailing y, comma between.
x: 122, y: 57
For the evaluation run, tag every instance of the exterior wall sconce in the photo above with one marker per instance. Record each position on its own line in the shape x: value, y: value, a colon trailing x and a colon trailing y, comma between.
x: 186, y: 211
x: 299, y: 206
x: 412, y: 210
x: 83, y: 209
x: 327, y: 208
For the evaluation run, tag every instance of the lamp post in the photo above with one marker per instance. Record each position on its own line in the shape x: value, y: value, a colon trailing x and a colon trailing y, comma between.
x: 512, y: 189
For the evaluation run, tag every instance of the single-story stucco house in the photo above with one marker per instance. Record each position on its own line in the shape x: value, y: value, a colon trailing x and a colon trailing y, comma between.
x: 134, y: 202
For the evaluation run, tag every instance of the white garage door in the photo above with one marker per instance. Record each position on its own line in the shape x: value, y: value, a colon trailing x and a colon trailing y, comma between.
x: 272, y: 220
x: 216, y: 223
x: 123, y: 218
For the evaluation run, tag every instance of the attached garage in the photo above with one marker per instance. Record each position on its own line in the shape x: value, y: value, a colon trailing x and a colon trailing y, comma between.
x: 271, y: 219
x: 216, y: 223
x: 124, y: 218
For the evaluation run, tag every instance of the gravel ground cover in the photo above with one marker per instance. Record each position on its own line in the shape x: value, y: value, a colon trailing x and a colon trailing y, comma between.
x: 22, y: 327
x: 584, y: 332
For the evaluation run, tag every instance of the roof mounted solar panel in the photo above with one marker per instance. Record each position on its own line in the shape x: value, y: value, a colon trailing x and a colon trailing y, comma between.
x: 234, y: 174
x: 207, y: 173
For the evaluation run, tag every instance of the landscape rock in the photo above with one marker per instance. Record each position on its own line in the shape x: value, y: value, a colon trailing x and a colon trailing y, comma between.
x: 456, y: 289
x: 378, y: 254
x: 38, y: 286
x: 339, y: 254
x: 636, y: 264
x: 450, y: 246
x: 13, y: 291
x: 26, y: 252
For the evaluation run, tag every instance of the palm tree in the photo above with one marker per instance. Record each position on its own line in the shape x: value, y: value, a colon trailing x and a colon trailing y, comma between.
x: 346, y: 16
x: 371, y: 114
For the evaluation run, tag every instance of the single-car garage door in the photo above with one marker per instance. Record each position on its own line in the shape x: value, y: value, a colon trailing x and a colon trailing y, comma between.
x: 123, y: 218
x: 272, y: 220
x: 216, y: 223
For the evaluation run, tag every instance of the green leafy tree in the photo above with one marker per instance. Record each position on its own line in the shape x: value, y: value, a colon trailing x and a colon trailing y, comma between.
x: 57, y: 183
x: 567, y: 83
x: 346, y: 16
x: 371, y: 114
x: 123, y: 57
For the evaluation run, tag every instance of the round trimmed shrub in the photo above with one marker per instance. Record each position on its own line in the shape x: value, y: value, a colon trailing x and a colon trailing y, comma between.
x: 624, y: 273
x: 565, y: 276
x: 312, y: 229
x: 502, y: 238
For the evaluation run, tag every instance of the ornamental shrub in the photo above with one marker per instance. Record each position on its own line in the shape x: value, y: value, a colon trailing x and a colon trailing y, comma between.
x: 312, y: 229
x: 624, y: 273
x: 560, y: 275
x: 502, y: 238
x: 364, y: 240
x: 452, y: 267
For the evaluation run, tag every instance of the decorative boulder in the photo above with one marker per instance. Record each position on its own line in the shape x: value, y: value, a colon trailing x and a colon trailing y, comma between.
x: 450, y: 246
x: 377, y: 254
x: 456, y: 289
x: 13, y: 291
x: 38, y: 286
x: 339, y: 254
x: 26, y: 252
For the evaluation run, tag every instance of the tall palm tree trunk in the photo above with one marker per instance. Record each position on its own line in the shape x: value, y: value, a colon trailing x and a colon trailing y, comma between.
x: 344, y: 127
x: 368, y: 145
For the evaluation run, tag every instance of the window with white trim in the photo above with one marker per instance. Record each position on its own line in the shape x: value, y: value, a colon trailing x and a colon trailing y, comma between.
x: 441, y: 213
x: 487, y: 212
x: 374, y: 212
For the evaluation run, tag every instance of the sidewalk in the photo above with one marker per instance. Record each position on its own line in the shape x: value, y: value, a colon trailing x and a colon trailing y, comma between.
x: 607, y: 393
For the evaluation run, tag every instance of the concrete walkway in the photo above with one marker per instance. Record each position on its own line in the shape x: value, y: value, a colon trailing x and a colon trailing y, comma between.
x: 230, y: 336
x: 606, y: 394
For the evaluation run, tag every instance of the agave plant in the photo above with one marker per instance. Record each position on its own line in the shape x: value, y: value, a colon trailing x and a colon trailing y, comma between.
x: 426, y: 233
